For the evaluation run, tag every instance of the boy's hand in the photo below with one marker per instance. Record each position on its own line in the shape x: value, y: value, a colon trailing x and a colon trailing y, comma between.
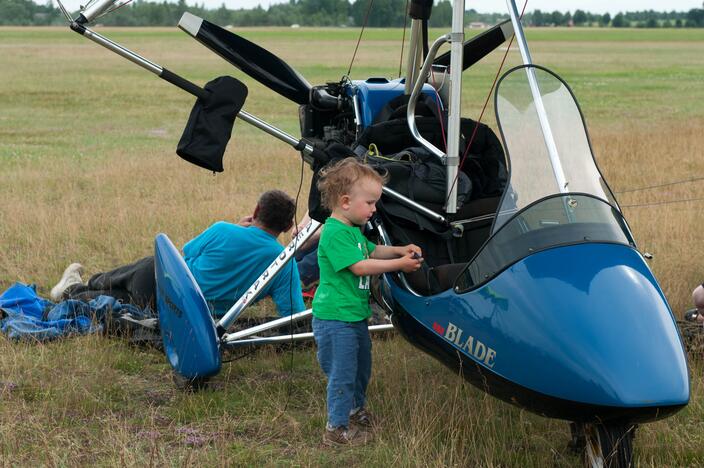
x: 412, y: 249
x: 410, y: 262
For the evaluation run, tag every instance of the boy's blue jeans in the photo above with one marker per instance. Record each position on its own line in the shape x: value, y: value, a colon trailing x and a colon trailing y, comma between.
x: 345, y: 355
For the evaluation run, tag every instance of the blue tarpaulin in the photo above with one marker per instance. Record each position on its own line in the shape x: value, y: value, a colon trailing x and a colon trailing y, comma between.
x: 27, y: 315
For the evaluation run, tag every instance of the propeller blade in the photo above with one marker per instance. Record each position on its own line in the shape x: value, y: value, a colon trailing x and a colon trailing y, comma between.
x: 480, y: 46
x: 259, y: 63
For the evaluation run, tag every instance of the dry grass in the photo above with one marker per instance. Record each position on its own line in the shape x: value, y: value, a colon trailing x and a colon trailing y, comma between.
x: 89, y: 174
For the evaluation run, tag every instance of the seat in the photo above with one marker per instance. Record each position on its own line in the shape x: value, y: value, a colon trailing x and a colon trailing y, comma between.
x: 434, y: 280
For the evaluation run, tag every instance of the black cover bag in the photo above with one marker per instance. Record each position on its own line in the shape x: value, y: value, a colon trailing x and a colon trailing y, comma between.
x: 210, y: 124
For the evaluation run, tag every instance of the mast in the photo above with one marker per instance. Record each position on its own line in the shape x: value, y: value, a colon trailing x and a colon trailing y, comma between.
x: 454, y: 107
x: 420, y: 11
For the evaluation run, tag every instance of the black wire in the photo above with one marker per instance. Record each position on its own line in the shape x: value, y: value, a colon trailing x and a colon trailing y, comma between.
x: 638, y: 205
x: 366, y: 18
x: 667, y: 184
x: 403, y: 40
x: 240, y: 357
x: 290, y: 290
x: 486, y: 102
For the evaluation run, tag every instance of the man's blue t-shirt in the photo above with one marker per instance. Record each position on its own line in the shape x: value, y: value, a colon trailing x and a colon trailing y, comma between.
x: 226, y: 259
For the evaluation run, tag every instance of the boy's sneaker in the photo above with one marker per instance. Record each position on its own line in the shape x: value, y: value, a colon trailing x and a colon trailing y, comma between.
x: 362, y: 418
x: 341, y: 436
x: 72, y: 275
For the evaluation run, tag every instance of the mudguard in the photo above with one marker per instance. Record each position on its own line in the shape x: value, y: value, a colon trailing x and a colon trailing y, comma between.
x: 187, y: 328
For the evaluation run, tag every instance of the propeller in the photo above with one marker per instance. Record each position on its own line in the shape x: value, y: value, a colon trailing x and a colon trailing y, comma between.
x: 255, y: 61
x: 480, y: 46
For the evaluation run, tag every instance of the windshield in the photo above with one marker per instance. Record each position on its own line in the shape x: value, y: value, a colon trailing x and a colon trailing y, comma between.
x: 545, y: 139
x: 554, y: 221
x: 556, y: 194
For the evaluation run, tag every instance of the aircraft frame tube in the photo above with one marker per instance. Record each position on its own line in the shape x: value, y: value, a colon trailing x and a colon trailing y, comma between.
x: 273, y: 131
x: 453, y: 118
x: 537, y: 98
x: 265, y: 278
x: 267, y: 326
x: 411, y: 61
x: 417, y: 86
x: 387, y: 241
x: 291, y: 338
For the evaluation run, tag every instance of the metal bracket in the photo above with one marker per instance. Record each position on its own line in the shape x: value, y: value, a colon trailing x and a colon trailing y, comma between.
x: 457, y: 37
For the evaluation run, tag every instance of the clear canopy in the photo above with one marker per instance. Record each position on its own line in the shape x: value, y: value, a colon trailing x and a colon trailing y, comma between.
x: 556, y: 194
x: 549, y: 151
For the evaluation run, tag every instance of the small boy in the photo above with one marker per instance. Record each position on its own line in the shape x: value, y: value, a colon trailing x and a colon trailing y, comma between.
x: 346, y: 258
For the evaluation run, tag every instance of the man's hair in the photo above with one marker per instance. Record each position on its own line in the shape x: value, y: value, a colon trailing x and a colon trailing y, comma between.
x: 276, y: 210
x: 338, y: 179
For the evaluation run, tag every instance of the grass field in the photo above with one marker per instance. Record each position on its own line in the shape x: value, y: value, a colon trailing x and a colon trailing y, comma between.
x: 88, y: 173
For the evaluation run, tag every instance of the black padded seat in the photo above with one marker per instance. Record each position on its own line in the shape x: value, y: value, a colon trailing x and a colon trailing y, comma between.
x: 406, y: 226
x: 434, y: 280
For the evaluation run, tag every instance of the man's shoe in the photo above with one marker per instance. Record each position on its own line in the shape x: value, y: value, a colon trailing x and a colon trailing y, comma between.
x: 72, y: 276
x: 342, y: 436
x: 693, y: 315
x: 362, y: 418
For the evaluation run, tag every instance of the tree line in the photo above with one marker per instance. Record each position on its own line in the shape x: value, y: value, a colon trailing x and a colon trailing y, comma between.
x: 383, y: 13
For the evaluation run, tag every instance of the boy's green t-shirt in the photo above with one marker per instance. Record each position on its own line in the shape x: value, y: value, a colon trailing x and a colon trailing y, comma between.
x: 341, y: 295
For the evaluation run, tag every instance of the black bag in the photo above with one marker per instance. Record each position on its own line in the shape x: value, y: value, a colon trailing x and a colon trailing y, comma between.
x: 210, y: 124
x: 420, y: 176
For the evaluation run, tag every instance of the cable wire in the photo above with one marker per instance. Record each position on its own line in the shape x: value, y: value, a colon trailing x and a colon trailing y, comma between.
x: 486, y: 103
x: 667, y: 184
x: 290, y: 289
x: 639, y: 205
x: 403, y: 39
x: 359, y: 39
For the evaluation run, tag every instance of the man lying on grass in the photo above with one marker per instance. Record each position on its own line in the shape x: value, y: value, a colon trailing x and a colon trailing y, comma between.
x: 225, y: 260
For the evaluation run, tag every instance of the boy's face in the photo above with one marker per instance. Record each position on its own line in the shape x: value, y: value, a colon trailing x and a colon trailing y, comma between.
x: 360, y: 204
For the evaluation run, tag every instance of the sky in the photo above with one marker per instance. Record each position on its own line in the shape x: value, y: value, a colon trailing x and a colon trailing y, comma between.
x: 489, y: 6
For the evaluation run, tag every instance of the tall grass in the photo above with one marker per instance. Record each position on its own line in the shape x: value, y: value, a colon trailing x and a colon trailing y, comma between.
x: 88, y: 173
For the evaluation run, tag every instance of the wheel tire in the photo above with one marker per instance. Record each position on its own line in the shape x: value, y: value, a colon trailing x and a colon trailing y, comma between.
x: 189, y: 385
x: 578, y: 441
x: 609, y: 445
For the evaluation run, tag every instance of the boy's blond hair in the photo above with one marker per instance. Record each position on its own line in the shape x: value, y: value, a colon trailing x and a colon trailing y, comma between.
x: 338, y: 179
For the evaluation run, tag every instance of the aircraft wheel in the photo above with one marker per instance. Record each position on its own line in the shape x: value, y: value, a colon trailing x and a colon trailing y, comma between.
x: 608, y: 445
x: 189, y: 385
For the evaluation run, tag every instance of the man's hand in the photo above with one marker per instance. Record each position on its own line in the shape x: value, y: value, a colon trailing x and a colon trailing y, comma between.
x: 246, y: 221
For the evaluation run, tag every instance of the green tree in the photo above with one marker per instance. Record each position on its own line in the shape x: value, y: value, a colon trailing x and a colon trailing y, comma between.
x: 16, y: 12
x: 384, y: 13
x: 605, y: 19
x: 441, y: 15
x: 695, y: 17
x: 619, y: 21
x: 538, y: 18
x: 222, y: 16
x: 579, y: 18
x: 567, y: 19
x: 556, y: 18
